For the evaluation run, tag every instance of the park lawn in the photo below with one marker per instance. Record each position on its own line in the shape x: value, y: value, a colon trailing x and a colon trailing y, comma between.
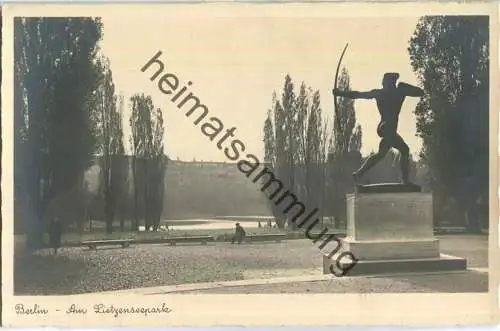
x: 74, y: 238
x: 218, y: 232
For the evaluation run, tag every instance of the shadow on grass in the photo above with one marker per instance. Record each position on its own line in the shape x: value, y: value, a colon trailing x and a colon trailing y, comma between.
x: 41, y: 273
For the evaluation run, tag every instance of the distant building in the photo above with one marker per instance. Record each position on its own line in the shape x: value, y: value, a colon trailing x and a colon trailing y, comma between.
x: 200, y: 189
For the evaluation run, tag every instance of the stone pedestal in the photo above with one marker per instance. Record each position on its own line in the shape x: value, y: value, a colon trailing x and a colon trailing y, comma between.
x: 390, y: 229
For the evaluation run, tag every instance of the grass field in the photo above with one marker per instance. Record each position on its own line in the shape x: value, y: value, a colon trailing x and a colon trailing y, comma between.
x: 79, y: 270
x: 70, y: 239
x: 220, y: 234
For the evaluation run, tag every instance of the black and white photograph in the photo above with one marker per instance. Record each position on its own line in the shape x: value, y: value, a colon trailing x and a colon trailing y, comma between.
x: 246, y: 150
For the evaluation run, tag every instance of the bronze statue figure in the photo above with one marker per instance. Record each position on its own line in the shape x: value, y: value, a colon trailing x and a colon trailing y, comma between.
x: 389, y: 100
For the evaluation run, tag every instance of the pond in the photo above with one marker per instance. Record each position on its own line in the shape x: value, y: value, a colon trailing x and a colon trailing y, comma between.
x: 210, y: 224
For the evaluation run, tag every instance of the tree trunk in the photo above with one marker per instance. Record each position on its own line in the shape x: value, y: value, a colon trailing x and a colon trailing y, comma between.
x: 280, y: 223
x: 135, y: 222
x: 108, y: 208
x: 36, y: 222
x: 147, y: 198
x: 35, y: 229
x: 483, y: 208
x: 122, y: 222
x: 472, y: 216
x: 159, y: 186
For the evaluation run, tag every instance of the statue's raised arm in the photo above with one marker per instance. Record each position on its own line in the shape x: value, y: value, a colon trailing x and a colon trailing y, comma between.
x: 410, y: 90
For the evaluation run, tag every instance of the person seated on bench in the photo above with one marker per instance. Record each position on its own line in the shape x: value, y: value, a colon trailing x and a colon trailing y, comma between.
x: 239, y: 234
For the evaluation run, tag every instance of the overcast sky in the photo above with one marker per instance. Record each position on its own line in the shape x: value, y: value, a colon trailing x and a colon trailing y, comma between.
x: 236, y: 62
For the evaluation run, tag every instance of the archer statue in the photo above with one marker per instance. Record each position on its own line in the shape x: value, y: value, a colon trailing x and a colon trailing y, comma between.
x: 389, y: 99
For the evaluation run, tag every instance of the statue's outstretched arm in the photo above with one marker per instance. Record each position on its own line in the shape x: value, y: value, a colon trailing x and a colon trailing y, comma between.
x: 355, y: 94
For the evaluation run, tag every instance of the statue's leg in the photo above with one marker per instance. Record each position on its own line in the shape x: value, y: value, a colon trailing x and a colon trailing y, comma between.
x: 372, y: 160
x: 404, y: 161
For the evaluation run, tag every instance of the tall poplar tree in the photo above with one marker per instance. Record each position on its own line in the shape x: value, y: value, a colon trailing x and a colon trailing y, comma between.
x: 450, y: 55
x: 55, y: 76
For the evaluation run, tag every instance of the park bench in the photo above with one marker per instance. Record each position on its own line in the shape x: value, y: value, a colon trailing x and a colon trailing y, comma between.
x: 265, y: 237
x: 92, y: 244
x: 449, y: 229
x: 191, y: 239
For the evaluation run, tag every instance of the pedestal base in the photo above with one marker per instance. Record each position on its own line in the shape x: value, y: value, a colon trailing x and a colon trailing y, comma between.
x: 392, y: 249
x: 390, y: 230
x: 379, y: 267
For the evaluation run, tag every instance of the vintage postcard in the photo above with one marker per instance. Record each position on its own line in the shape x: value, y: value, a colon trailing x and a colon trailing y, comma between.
x: 217, y: 164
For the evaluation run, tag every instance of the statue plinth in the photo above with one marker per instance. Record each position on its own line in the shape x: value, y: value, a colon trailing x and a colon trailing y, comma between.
x: 390, y: 229
x: 388, y: 188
